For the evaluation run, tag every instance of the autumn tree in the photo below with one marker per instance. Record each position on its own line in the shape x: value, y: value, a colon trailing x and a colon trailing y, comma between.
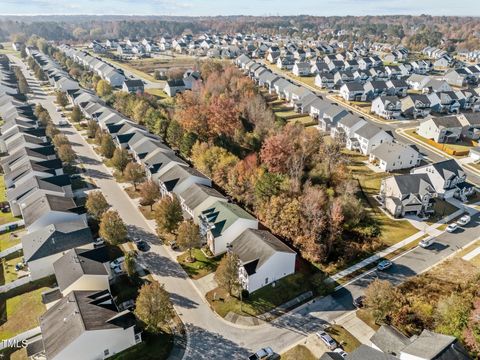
x: 92, y: 128
x: 61, y: 99
x: 452, y: 314
x: 107, y: 146
x: 153, y: 306
x: 51, y: 130
x: 130, y: 263
x: 66, y: 154
x: 149, y: 193
x: 226, y: 274
x: 103, y: 88
x: 134, y: 173
x: 112, y: 228
x: 76, y: 114
x: 188, y: 237
x: 381, y: 298
x: 59, y: 140
x: 96, y: 204
x: 23, y: 86
x: 168, y: 215
x: 223, y: 116
x: 120, y: 159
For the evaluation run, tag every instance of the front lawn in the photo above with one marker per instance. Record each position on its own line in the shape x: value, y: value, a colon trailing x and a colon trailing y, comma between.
x: 262, y: 300
x: 134, y: 194
x: 9, y: 262
x: 3, y: 196
x: 442, y: 209
x: 20, y: 308
x: 6, y: 218
x: 201, y: 266
x: 343, y: 337
x: 9, y: 239
x: 298, y: 352
x: 153, y: 347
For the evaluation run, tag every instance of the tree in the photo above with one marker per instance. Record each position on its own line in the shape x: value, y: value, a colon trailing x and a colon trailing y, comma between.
x: 452, y: 314
x: 174, y: 133
x: 92, y: 128
x: 61, y: 99
x: 153, y: 306
x: 103, y: 88
x: 23, y: 85
x: 59, y: 140
x: 120, y: 159
x: 51, y: 130
x: 382, y: 298
x: 168, y: 215
x: 112, y: 228
x: 134, y: 173
x: 226, y: 274
x: 149, y: 193
x: 188, y: 237
x: 130, y: 263
x: 76, y: 114
x: 23, y: 52
x: 96, y: 204
x: 107, y: 146
x: 66, y: 154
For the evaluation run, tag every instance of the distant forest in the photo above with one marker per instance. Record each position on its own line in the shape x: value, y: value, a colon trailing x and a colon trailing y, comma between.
x: 412, y: 31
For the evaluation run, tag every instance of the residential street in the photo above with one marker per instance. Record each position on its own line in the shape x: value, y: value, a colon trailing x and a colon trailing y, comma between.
x: 210, y: 336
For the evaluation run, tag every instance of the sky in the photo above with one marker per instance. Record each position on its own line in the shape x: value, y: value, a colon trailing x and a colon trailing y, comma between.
x: 241, y: 7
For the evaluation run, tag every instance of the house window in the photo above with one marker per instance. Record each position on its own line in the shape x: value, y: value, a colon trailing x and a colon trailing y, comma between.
x: 106, y: 352
x: 266, y: 281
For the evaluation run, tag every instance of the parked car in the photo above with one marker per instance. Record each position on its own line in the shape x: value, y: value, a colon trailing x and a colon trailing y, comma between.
x: 174, y: 246
x: 264, y: 353
x: 98, y: 242
x: 341, y: 352
x: 58, y: 109
x: 358, y: 302
x: 117, y: 269
x: 63, y: 122
x: 452, y: 227
x: 327, y: 339
x: 464, y: 220
x: 117, y: 262
x: 141, y: 245
x: 19, y: 266
x: 384, y: 265
x: 425, y: 243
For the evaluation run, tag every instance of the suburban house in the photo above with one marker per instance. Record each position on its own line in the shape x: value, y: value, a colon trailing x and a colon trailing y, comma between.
x: 178, y: 178
x: 353, y: 91
x: 388, y: 107
x: 83, y: 269
x: 173, y: 87
x: 301, y: 69
x: 198, y: 197
x: 446, y: 129
x: 346, y: 126
x: 416, y: 105
x: 133, y: 86
x: 448, y: 179
x: 40, y: 210
x: 331, y: 116
x: 264, y: 259
x: 26, y: 168
x: 222, y: 222
x: 84, y: 325
x: 325, y: 80
x: 408, y: 194
x: 42, y: 247
x: 390, y: 156
x: 471, y: 125
x: 426, y: 346
x: 367, y: 137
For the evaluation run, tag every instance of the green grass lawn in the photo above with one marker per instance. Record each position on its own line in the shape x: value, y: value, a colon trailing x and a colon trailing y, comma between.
x: 6, y: 218
x: 7, y: 240
x: 344, y: 338
x: 9, y: 273
x: 442, y: 209
x: 262, y: 300
x: 157, y: 92
x: 3, y: 194
x: 393, y: 230
x: 20, y: 308
x: 201, y: 266
x: 153, y: 347
x: 367, y: 317
x: 7, y: 49
x: 298, y: 352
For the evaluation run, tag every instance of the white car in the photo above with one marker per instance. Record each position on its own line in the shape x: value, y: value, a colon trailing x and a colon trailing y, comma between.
x: 117, y: 270
x: 117, y: 262
x: 452, y: 227
x: 327, y: 339
x: 342, y: 352
x: 384, y: 265
x: 98, y: 242
x: 464, y: 220
x: 426, y: 242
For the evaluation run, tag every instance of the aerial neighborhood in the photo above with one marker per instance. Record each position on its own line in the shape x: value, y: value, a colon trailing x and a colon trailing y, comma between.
x: 274, y: 187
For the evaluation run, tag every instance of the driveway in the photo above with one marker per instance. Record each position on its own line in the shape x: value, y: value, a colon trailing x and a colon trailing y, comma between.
x: 210, y: 336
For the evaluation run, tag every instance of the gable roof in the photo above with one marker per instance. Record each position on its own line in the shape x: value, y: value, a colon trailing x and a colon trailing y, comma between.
x: 389, y: 340
x: 197, y: 194
x: 78, y: 262
x: 44, y: 203
x: 222, y: 215
x: 254, y: 248
x: 54, y: 239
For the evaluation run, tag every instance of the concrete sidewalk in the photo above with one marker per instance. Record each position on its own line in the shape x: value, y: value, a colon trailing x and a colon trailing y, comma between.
x: 472, y: 254
x: 430, y: 230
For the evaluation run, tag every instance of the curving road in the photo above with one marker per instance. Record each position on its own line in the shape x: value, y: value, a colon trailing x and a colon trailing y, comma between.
x: 210, y: 336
